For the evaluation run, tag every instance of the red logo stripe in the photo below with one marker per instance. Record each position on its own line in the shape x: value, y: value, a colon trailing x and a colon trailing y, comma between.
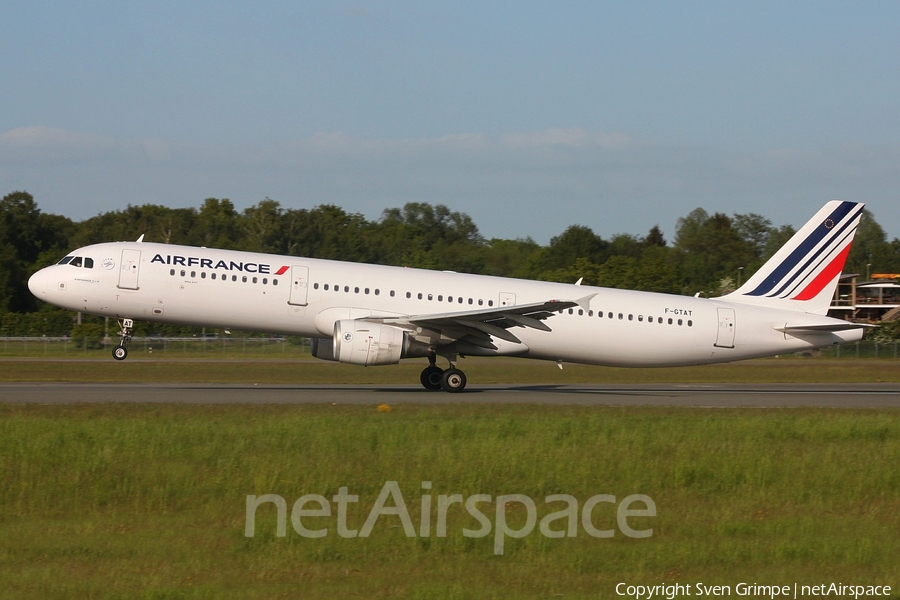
x: 282, y: 270
x: 827, y: 275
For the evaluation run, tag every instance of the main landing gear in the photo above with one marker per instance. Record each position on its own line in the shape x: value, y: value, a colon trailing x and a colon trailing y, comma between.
x: 120, y: 352
x: 434, y: 378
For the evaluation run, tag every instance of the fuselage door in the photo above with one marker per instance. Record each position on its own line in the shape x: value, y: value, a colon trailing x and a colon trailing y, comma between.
x: 299, y: 285
x: 725, y: 333
x: 507, y: 299
x: 129, y: 269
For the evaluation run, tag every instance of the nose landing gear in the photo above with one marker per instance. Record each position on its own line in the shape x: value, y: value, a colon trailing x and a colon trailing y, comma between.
x: 120, y: 352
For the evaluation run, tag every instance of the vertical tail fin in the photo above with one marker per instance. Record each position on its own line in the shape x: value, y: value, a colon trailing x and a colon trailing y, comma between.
x: 804, y: 272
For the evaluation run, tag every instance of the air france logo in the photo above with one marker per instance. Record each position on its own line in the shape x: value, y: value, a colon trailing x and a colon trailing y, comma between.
x: 207, y: 263
x: 348, y: 337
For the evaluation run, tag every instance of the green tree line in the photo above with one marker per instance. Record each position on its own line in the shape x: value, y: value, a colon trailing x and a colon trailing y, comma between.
x: 708, y: 254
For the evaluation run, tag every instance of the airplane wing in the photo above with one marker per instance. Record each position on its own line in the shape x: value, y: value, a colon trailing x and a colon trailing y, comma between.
x: 479, y: 326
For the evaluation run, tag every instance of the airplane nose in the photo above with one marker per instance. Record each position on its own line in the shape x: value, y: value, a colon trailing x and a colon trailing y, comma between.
x: 38, y: 284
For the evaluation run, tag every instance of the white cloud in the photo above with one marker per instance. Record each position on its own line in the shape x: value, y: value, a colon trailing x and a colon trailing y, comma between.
x: 575, y: 138
x: 49, y: 145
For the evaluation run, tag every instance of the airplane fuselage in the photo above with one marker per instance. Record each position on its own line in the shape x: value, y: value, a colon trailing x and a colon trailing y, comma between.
x: 306, y: 297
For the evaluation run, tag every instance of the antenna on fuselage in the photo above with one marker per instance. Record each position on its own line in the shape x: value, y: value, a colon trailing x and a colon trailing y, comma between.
x: 140, y: 239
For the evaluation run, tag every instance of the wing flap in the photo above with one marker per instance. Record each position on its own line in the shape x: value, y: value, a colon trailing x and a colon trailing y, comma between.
x: 491, y: 329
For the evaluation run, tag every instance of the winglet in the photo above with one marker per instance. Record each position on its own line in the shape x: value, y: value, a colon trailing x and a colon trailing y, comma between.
x: 585, y: 302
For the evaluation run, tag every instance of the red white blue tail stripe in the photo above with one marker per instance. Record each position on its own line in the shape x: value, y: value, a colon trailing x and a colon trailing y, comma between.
x: 808, y: 266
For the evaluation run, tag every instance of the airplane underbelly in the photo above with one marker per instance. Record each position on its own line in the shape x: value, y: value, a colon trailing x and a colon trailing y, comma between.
x: 620, y: 346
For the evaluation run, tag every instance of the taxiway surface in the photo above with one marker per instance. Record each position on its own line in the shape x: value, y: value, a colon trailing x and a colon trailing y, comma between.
x: 882, y: 395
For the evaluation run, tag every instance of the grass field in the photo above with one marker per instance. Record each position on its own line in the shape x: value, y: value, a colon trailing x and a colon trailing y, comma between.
x: 149, y: 501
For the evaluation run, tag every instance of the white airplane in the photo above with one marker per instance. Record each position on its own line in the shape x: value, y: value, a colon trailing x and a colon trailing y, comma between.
x: 377, y: 315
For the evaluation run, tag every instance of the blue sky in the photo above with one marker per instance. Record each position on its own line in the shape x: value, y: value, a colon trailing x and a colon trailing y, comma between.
x: 528, y: 116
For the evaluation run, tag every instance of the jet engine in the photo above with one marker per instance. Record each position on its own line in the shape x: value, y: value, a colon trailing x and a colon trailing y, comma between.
x: 366, y: 343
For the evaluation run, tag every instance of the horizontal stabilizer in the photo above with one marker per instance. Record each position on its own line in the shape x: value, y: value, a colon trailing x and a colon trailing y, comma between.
x: 828, y: 328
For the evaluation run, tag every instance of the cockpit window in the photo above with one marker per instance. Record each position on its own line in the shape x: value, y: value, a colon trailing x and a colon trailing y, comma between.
x: 78, y: 261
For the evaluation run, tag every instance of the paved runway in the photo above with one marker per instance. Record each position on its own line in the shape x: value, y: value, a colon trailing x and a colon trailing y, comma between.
x: 879, y: 395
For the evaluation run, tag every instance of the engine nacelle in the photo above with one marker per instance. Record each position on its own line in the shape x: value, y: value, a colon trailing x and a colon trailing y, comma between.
x: 366, y: 343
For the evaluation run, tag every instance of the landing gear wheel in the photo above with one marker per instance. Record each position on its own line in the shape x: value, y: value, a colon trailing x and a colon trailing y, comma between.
x: 126, y: 327
x: 453, y: 380
x: 431, y: 378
